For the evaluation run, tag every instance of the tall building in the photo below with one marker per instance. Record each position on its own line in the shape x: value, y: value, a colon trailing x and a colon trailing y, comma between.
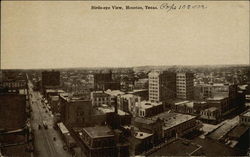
x: 103, y: 81
x: 162, y: 86
x: 12, y: 111
x: 185, y: 85
x: 50, y: 79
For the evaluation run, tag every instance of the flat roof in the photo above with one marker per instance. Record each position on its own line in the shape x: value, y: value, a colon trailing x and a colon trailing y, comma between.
x: 211, y: 109
x: 99, y: 131
x: 128, y: 96
x: 218, y: 98
x: 247, y: 113
x: 173, y: 119
x: 100, y: 93
x: 154, y: 73
x: 62, y: 127
x: 114, y: 92
x: 142, y: 135
x: 238, y: 131
x: 138, y: 90
x: 144, y: 120
x: 179, y: 147
x: 106, y: 109
x: 147, y: 104
x: 54, y: 90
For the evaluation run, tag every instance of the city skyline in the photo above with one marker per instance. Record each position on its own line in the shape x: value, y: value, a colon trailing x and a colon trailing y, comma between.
x: 58, y: 35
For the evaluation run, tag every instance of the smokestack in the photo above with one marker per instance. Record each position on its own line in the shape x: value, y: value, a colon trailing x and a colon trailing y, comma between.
x: 116, y: 105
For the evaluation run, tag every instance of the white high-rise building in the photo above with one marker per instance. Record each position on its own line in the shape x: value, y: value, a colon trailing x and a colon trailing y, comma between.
x: 185, y: 85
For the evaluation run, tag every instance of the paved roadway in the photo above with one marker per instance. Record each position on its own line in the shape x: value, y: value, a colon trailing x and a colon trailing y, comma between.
x: 45, y: 146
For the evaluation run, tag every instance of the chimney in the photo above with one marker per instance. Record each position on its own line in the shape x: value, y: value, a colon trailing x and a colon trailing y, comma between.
x: 115, y: 105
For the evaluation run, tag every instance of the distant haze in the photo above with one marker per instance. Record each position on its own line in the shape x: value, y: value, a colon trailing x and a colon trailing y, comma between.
x: 36, y: 34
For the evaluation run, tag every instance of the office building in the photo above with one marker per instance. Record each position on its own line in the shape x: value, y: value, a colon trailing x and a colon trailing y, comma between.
x: 162, y: 86
x: 185, y: 85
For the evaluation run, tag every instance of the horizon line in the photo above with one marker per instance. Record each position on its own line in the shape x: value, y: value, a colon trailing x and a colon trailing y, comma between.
x: 96, y: 67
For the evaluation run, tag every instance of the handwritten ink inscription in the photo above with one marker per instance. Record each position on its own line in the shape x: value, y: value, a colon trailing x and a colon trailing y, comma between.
x: 170, y: 7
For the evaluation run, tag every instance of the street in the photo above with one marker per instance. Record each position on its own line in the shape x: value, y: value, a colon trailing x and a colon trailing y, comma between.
x: 45, y: 144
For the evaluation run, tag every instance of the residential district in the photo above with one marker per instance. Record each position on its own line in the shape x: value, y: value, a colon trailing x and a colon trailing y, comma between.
x: 120, y: 112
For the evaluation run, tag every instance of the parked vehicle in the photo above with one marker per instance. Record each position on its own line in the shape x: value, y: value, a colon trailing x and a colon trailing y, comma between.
x: 45, y: 125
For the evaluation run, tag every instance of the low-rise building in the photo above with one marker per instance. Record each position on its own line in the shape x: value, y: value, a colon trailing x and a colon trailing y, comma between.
x: 150, y: 126
x: 211, y: 114
x: 100, y: 97
x: 245, y: 118
x: 101, y: 141
x: 75, y: 112
x: 140, y: 142
x: 177, y: 125
x: 221, y: 103
x: 148, y: 109
x: 127, y: 102
x: 189, y: 107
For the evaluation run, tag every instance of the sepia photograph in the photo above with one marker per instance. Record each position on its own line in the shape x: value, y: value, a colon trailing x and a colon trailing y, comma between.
x: 125, y: 78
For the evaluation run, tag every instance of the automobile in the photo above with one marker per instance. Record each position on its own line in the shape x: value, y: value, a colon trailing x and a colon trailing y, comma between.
x: 65, y: 147
x: 45, y: 125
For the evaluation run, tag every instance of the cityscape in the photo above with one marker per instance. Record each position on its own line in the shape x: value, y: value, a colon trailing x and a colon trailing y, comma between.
x: 120, y: 78
x: 120, y: 112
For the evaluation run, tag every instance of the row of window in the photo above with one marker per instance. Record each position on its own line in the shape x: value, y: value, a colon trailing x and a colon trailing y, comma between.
x: 245, y: 119
x: 102, y: 99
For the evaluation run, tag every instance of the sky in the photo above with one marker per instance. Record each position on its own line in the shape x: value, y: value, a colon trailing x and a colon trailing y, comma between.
x: 36, y: 34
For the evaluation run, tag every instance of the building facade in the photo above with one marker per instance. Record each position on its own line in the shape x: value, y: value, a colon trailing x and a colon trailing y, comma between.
x: 245, y: 118
x: 50, y: 79
x: 100, y: 97
x: 185, y: 86
x: 162, y: 86
x: 148, y: 109
x: 75, y: 112
x: 101, y: 141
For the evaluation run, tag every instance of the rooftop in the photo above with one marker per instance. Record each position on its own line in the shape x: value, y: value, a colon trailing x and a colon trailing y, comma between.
x: 99, y: 131
x: 62, y: 127
x: 154, y: 73
x: 172, y: 119
x: 147, y: 104
x: 127, y: 96
x: 238, y: 131
x: 211, y: 109
x: 173, y: 149
x: 106, y: 109
x: 138, y: 90
x: 99, y: 93
x: 144, y: 120
x: 70, y: 98
x: 54, y: 90
x: 142, y: 135
x: 217, y: 98
x: 247, y: 113
x: 114, y: 92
